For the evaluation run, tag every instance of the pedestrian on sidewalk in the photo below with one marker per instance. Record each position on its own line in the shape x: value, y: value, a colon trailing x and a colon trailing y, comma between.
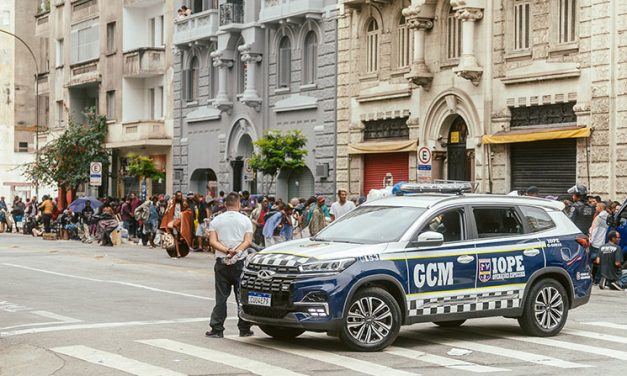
x: 342, y: 206
x: 230, y: 235
x: 611, y: 260
x: 47, y: 209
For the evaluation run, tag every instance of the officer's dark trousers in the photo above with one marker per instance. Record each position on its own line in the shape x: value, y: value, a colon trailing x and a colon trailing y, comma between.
x: 226, y: 277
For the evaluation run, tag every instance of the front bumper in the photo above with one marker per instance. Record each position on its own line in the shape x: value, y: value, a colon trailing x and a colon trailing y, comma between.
x: 291, y: 320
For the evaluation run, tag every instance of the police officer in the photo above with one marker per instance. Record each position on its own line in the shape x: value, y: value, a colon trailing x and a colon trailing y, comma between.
x: 581, y: 213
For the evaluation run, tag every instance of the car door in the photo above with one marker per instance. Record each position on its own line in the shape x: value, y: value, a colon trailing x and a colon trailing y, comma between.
x: 442, y: 278
x: 506, y: 256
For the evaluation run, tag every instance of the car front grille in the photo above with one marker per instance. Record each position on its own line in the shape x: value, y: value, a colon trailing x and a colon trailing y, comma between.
x: 265, y: 312
x: 276, y: 284
x: 274, y: 268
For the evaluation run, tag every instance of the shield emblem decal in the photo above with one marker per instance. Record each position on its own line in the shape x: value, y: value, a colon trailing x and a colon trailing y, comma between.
x: 485, y: 270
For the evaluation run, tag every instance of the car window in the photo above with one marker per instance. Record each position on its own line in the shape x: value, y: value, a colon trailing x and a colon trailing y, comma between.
x: 494, y: 222
x: 537, y: 219
x: 371, y: 225
x: 449, y: 223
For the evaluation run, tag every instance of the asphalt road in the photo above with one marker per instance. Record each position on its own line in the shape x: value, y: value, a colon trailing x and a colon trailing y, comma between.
x: 72, y: 309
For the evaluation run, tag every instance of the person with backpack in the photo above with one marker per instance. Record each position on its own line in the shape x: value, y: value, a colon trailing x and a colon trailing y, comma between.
x: 318, y: 215
x: 581, y: 212
x: 141, y: 215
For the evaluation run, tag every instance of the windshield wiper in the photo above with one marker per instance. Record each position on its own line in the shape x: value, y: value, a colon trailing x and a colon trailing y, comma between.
x: 336, y: 241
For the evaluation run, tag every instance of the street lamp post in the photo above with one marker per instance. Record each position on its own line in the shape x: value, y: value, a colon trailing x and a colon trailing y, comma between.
x: 36, y: 100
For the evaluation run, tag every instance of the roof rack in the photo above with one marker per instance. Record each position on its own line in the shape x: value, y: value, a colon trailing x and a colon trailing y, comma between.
x: 437, y: 186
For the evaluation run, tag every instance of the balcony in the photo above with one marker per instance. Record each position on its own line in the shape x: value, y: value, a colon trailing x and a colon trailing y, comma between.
x: 141, y: 3
x: 137, y: 133
x: 275, y: 10
x: 42, y: 17
x: 84, y: 73
x: 198, y: 26
x: 144, y: 62
x: 230, y: 15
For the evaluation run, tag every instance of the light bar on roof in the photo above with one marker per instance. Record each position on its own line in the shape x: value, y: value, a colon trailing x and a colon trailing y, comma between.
x: 457, y: 187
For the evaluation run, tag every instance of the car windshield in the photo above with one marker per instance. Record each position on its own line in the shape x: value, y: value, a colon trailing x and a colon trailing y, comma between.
x: 371, y: 225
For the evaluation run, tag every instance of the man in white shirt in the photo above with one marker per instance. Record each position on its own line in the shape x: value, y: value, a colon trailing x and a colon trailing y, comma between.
x: 230, y: 235
x: 342, y: 206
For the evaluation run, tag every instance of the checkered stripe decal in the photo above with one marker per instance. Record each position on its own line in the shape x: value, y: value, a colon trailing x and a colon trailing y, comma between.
x: 278, y: 259
x: 465, y: 303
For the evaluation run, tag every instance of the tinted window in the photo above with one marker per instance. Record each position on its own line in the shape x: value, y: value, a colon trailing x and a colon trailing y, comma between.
x: 371, y: 224
x: 449, y: 223
x: 494, y: 222
x: 537, y: 219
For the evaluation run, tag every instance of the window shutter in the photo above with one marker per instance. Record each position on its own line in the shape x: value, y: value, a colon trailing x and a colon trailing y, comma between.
x: 284, y: 67
x: 185, y: 84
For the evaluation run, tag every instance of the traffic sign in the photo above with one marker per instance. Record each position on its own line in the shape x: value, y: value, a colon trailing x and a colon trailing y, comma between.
x: 424, y: 164
x: 424, y: 155
x: 95, y: 174
x: 249, y: 173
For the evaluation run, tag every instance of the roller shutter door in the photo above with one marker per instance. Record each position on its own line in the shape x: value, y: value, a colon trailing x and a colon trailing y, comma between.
x: 376, y: 166
x: 301, y: 184
x: 549, y: 165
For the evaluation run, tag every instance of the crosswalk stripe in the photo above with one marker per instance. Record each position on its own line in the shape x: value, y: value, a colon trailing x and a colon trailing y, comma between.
x: 358, y: 365
x: 610, y: 325
x: 498, y: 351
x: 441, y: 360
x: 115, y: 361
x: 247, y: 364
x: 610, y: 353
x: 594, y: 335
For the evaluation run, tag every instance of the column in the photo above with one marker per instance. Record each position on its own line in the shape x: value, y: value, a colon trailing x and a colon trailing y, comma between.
x: 468, y: 67
x: 222, y: 100
x: 419, y: 74
x: 252, y: 60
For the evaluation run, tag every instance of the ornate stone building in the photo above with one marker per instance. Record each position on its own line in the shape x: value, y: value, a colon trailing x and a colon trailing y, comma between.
x: 507, y: 93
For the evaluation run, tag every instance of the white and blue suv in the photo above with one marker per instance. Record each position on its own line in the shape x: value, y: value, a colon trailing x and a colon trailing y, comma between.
x: 422, y: 257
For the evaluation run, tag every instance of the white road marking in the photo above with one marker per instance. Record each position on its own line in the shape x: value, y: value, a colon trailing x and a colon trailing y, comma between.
x: 595, y: 335
x: 54, y: 316
x: 129, y: 284
x: 357, y: 365
x: 597, y: 350
x: 115, y: 361
x: 610, y: 325
x: 496, y: 350
x: 231, y: 360
x: 441, y: 360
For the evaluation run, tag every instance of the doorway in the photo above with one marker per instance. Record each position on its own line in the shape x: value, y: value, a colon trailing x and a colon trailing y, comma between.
x: 456, y: 151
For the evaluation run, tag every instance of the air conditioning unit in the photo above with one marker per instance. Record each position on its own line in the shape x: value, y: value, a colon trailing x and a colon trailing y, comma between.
x: 322, y: 170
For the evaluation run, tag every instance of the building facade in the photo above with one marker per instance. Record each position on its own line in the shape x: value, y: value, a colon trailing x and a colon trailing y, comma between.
x: 507, y: 94
x: 17, y: 101
x: 114, y: 56
x: 245, y: 67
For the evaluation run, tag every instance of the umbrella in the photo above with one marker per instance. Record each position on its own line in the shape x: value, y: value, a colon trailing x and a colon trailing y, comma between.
x: 78, y: 205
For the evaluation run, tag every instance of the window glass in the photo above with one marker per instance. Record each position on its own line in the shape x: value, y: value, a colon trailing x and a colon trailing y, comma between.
x: 537, y: 219
x: 494, y: 222
x: 450, y: 224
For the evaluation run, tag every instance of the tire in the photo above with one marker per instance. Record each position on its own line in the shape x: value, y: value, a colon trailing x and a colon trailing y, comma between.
x: 281, y: 333
x: 449, y: 324
x: 364, y: 331
x: 183, y: 250
x: 538, y: 318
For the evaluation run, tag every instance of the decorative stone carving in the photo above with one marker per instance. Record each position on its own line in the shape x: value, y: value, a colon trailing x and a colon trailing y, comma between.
x: 250, y: 97
x: 222, y: 101
x: 413, y: 122
x: 419, y: 74
x: 468, y: 67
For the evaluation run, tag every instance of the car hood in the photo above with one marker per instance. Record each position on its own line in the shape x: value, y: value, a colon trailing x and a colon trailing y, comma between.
x: 303, y: 250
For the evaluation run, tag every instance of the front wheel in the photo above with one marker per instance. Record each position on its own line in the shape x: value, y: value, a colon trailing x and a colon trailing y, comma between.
x: 281, y: 332
x: 546, y: 309
x: 372, y: 321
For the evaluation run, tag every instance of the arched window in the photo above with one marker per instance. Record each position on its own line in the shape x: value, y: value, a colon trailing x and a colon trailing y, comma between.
x: 372, y: 47
x: 213, y: 75
x: 191, y: 78
x: 284, y: 63
x: 241, y: 70
x: 453, y: 35
x: 310, y: 58
x: 403, y: 44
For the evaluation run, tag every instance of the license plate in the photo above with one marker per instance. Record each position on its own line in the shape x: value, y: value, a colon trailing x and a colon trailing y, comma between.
x: 260, y: 299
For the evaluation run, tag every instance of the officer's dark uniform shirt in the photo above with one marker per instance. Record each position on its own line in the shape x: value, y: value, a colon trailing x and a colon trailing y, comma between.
x: 610, y: 254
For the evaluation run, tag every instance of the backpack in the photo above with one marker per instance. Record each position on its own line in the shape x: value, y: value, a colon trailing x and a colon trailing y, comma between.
x: 584, y: 214
x: 141, y: 214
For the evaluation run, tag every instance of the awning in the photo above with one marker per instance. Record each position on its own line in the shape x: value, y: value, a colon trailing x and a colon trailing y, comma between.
x: 535, y: 134
x: 382, y: 147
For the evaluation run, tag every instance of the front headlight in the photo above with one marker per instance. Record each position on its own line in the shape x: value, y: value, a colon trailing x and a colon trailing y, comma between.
x: 330, y: 266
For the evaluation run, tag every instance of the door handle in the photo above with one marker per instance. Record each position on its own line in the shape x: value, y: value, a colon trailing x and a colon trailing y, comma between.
x: 465, y: 259
x: 531, y: 252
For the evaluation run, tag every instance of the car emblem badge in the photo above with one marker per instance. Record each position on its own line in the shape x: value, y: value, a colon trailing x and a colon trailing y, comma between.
x: 485, y: 270
x: 265, y: 274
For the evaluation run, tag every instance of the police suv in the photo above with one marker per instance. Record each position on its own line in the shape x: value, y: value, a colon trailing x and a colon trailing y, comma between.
x: 422, y: 257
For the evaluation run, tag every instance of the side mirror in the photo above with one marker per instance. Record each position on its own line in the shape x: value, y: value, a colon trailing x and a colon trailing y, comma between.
x: 429, y: 239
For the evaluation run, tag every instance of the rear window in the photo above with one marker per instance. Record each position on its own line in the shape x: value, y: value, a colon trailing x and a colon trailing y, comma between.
x: 537, y: 219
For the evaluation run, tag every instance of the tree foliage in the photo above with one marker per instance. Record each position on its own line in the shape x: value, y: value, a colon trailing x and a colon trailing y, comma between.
x: 142, y: 166
x: 65, y: 160
x: 279, y: 151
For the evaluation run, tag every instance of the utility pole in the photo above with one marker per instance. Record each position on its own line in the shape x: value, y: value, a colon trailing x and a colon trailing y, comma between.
x: 36, y: 100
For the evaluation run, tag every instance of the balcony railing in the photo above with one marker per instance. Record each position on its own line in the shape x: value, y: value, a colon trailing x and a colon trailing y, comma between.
x: 84, y: 73
x: 231, y: 13
x: 144, y: 62
x: 274, y: 10
x: 198, y: 26
x: 137, y: 133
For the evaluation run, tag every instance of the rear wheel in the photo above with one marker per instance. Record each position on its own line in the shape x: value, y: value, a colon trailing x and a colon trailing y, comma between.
x: 546, y: 309
x: 281, y: 332
x: 449, y: 324
x: 372, y: 321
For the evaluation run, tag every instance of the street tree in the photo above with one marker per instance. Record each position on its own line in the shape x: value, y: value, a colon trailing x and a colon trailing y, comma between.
x: 65, y: 160
x: 278, y: 151
x: 142, y: 167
